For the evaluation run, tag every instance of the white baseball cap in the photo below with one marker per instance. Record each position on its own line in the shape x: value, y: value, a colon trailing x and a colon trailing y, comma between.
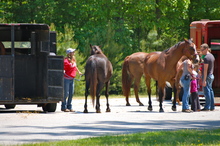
x: 70, y: 50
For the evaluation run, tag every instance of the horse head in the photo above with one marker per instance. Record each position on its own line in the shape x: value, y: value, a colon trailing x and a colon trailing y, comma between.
x: 190, y: 51
x: 95, y: 50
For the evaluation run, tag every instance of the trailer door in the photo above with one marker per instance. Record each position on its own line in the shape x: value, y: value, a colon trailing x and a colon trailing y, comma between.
x: 6, y: 78
x: 215, y: 47
x: 55, y: 78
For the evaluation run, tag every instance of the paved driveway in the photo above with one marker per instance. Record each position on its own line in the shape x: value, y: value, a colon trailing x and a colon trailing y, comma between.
x: 28, y: 124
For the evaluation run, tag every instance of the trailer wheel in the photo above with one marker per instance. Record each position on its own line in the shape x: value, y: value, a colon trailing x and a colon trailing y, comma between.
x: 9, y: 106
x: 49, y: 107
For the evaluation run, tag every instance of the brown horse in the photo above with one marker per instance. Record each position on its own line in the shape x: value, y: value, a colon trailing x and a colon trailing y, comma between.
x: 161, y: 66
x: 98, y: 72
x: 2, y: 48
x: 132, y: 70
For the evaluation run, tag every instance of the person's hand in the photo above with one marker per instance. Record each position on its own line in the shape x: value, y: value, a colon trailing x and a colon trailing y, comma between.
x: 204, y: 83
x: 80, y: 73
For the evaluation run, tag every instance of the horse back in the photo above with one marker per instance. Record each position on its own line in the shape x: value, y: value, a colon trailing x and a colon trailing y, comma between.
x: 136, y: 63
x: 101, y: 65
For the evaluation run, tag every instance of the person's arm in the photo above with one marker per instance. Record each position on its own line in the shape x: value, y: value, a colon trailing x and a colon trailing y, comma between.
x: 78, y: 71
x: 205, y: 74
x: 180, y: 67
x: 189, y: 67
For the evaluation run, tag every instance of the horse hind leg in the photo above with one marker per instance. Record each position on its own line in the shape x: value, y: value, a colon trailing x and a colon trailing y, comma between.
x: 150, y: 107
x: 175, y: 98
x: 99, y: 88
x: 97, y: 107
x: 127, y: 90
x: 107, y: 95
x: 98, y: 110
x: 148, y: 82
x: 161, y: 93
x: 136, y: 89
x: 86, y: 97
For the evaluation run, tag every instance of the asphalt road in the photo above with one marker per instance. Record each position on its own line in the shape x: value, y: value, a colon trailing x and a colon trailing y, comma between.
x: 28, y: 124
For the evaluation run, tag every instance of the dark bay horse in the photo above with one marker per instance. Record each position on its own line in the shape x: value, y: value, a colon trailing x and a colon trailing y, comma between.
x: 2, y: 49
x: 161, y: 66
x: 98, y: 72
x: 132, y: 70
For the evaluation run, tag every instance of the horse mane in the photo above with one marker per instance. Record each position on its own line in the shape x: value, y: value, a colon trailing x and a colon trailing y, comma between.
x: 174, y: 46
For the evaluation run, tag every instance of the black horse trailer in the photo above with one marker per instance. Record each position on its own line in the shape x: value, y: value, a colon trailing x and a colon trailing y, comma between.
x: 30, y: 70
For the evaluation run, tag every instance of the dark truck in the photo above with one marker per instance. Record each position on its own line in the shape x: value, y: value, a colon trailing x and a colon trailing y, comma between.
x: 30, y: 70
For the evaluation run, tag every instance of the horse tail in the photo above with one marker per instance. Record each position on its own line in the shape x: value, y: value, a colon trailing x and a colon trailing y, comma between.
x: 126, y: 78
x: 93, y: 82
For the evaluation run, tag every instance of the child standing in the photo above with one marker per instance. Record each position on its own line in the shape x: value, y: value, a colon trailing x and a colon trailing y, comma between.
x: 195, y: 105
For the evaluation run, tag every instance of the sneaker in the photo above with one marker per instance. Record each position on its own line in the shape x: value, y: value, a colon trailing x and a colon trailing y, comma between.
x: 187, y: 111
x: 71, y: 110
x: 204, y: 109
x: 65, y: 110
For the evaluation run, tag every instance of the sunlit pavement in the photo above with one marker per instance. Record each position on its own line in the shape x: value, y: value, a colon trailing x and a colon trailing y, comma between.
x: 29, y: 124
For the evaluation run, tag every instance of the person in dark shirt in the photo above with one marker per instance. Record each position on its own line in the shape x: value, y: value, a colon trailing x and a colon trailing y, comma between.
x: 208, y: 77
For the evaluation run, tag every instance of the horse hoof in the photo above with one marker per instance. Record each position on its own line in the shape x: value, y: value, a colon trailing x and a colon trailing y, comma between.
x: 85, y: 111
x: 128, y: 104
x: 150, y: 108
x: 141, y: 104
x: 161, y: 110
x: 98, y: 111
x: 108, y: 110
x: 173, y: 108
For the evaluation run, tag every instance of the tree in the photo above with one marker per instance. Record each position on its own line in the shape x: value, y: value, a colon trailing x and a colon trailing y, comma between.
x: 121, y: 27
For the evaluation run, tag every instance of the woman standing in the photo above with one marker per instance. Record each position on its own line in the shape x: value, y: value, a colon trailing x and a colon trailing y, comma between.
x: 70, y: 69
x: 185, y: 81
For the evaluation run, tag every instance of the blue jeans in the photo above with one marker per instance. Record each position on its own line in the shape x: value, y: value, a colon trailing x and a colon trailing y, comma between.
x: 186, y: 92
x: 68, y: 93
x: 209, y: 94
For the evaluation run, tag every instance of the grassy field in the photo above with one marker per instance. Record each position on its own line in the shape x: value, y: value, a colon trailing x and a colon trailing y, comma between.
x: 159, y: 138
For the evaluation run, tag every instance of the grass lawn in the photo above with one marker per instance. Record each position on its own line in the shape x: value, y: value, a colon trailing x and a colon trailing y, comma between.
x: 184, y: 137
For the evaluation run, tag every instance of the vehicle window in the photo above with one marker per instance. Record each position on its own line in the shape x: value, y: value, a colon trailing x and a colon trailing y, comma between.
x: 215, y: 44
x: 21, y: 45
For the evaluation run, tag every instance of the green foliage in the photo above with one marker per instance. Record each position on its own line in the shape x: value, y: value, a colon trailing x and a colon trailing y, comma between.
x: 120, y: 27
x: 153, y: 43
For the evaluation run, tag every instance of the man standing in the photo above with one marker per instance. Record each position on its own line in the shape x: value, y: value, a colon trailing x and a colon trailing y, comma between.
x: 208, y: 77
